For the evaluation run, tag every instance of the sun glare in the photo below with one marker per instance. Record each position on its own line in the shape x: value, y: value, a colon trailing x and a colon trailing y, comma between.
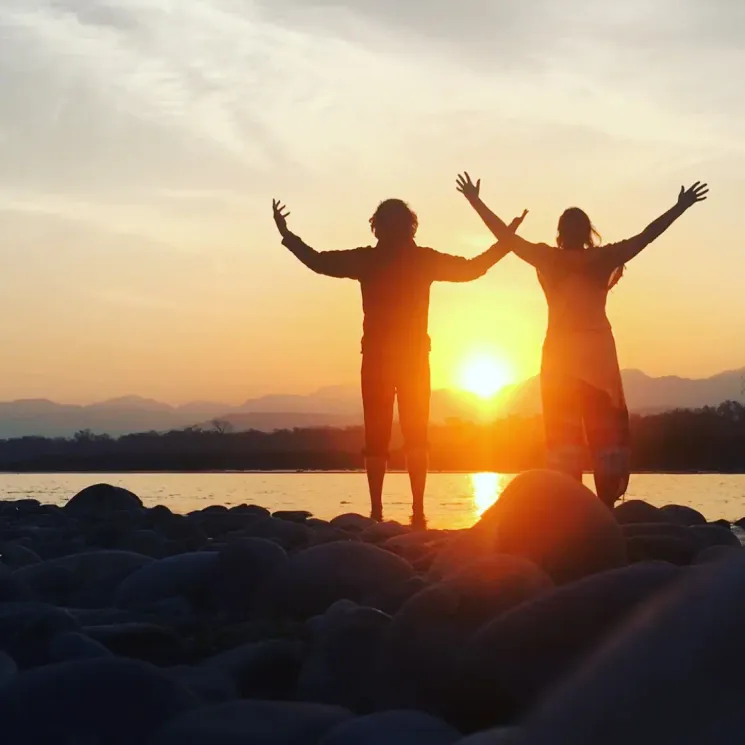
x: 485, y: 375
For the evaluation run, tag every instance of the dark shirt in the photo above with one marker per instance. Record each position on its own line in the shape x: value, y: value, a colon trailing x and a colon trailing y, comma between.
x: 395, y: 281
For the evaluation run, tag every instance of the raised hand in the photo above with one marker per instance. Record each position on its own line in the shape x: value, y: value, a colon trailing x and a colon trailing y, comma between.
x: 696, y: 193
x: 517, y: 222
x: 280, y: 217
x: 467, y: 188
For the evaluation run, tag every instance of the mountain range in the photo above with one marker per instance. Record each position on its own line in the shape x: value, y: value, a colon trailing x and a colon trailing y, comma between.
x: 338, y: 406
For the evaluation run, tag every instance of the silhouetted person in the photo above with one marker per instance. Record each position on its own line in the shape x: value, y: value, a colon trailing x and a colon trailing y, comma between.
x: 580, y: 377
x: 395, y: 277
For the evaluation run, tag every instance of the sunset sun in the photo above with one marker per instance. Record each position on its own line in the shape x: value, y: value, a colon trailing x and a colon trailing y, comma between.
x: 485, y: 375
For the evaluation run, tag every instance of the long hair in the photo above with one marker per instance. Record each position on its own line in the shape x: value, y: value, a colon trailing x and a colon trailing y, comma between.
x: 576, y: 232
x: 394, y: 220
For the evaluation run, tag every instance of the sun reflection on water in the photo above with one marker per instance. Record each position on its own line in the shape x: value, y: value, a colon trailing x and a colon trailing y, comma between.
x: 486, y: 490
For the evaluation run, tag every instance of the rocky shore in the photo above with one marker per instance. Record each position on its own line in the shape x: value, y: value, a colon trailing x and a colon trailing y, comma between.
x: 552, y: 621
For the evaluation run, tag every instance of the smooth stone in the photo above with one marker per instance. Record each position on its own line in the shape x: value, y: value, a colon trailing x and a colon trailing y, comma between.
x: 418, y: 658
x: 381, y: 532
x: 716, y: 553
x: 352, y: 522
x: 400, y: 727
x: 12, y: 588
x: 117, y: 702
x: 289, y: 535
x: 637, y: 511
x: 8, y: 669
x: 26, y: 629
x: 211, y: 685
x: 715, y: 535
x: 82, y: 580
x: 267, y: 669
x: 558, y: 524
x: 252, y: 722
x: 391, y: 600
x: 219, y: 524
x: 660, y: 548
x: 680, y: 515
x: 73, y: 645
x: 460, y: 550
x: 317, y: 577
x: 185, y: 532
x: 183, y: 575
x: 670, y: 676
x: 102, y: 498
x: 339, y: 667
x: 721, y: 523
x: 511, y: 662
x: 241, y: 568
x: 669, y: 530
x: 144, y: 542
x: 16, y: 556
x: 141, y: 641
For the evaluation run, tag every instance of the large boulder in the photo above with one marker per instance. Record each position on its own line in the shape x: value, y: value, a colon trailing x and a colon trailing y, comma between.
x: 83, y: 580
x: 511, y: 662
x: 141, y: 641
x: 419, y: 653
x: 681, y: 515
x: 12, y: 588
x: 241, y: 568
x: 316, y: 578
x: 27, y: 628
x: 393, y: 728
x: 210, y: 684
x: 254, y: 722
x: 266, y: 669
x: 637, y: 511
x: 339, y: 667
x: 73, y: 645
x: 185, y: 575
x: 117, y: 702
x: 15, y: 555
x: 459, y: 550
x: 557, y: 523
x: 101, y: 498
x: 352, y: 522
x: 8, y: 670
x: 671, y: 675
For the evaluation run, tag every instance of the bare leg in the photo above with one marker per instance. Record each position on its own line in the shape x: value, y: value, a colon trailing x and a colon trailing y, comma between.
x: 417, y: 463
x: 375, y: 467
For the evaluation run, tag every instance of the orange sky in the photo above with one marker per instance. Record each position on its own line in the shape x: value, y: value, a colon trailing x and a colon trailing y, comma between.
x: 141, y: 152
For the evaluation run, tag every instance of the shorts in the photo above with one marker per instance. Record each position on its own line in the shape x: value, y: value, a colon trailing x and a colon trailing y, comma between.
x: 387, y: 376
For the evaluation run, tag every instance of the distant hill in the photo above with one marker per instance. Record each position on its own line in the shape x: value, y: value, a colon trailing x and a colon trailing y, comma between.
x: 337, y: 406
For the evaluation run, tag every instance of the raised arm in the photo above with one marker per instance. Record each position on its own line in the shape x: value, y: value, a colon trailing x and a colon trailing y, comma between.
x: 537, y: 254
x: 343, y: 264
x: 448, y: 268
x: 616, y: 254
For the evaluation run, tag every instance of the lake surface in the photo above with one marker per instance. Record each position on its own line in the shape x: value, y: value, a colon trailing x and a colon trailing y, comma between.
x: 454, y: 500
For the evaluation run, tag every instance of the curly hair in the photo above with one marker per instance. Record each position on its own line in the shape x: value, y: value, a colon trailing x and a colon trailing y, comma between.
x: 394, y: 219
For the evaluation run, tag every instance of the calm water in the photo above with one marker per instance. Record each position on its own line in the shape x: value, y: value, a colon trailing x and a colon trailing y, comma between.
x: 454, y: 500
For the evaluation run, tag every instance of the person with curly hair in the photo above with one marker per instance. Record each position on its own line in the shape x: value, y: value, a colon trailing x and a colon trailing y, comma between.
x: 395, y: 277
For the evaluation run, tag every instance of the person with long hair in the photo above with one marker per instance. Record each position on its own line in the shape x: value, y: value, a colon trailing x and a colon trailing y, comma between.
x: 581, y: 386
x: 395, y: 277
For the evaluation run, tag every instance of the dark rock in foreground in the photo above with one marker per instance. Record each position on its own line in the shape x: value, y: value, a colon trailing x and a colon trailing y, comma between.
x: 122, y: 624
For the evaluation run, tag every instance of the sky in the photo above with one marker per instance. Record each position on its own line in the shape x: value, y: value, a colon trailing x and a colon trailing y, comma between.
x: 141, y: 144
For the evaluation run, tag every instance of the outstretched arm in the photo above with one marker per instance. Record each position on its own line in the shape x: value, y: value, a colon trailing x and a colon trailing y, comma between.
x: 344, y: 264
x: 537, y: 254
x: 617, y: 254
x: 447, y: 268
